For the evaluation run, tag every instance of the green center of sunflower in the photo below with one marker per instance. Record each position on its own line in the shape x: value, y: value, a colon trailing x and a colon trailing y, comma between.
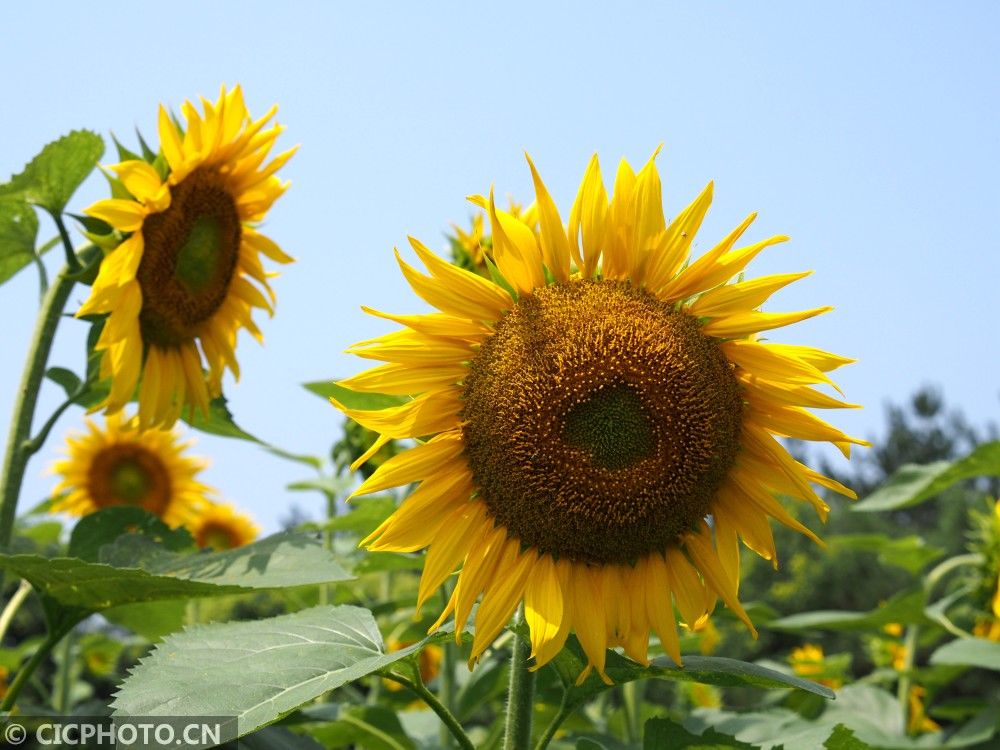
x: 190, y: 254
x: 599, y: 422
x: 129, y: 474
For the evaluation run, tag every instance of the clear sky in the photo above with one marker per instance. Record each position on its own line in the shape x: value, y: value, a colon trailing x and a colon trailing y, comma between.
x: 866, y: 131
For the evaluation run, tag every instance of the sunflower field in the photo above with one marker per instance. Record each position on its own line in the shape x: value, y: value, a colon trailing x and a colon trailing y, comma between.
x: 584, y: 490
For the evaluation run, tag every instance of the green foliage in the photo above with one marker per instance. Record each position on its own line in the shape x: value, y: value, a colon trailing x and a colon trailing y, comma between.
x: 50, y: 179
x: 18, y: 231
x: 664, y: 733
x: 905, y: 607
x: 257, y: 671
x: 135, y: 569
x: 969, y: 652
x: 914, y: 484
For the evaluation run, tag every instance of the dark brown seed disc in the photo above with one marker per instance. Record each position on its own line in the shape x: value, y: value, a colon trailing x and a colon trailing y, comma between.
x: 189, y: 257
x: 599, y: 421
x: 128, y: 474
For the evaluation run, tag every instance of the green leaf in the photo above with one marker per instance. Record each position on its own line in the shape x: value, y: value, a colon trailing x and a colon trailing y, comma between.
x: 365, y: 515
x: 328, y: 389
x: 914, y: 484
x: 18, y: 231
x: 844, y: 739
x: 664, y: 733
x: 905, y: 607
x: 50, y: 179
x: 218, y: 422
x: 152, y: 620
x: 259, y: 670
x: 370, y: 727
x: 144, y: 571
x: 969, y: 652
x: 68, y: 380
x: 94, y: 531
x: 911, y: 553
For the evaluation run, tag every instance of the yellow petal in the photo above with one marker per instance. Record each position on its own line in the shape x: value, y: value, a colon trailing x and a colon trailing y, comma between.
x: 745, y: 324
x: 673, y: 247
x: 424, y: 415
x: 555, y: 245
x: 744, y: 296
x: 405, y: 379
x: 462, y: 528
x: 415, y: 464
x: 588, y: 220
x: 543, y: 605
x: 144, y: 182
x: 123, y: 215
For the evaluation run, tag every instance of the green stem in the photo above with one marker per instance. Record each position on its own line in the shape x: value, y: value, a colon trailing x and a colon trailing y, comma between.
x: 62, y: 699
x: 18, y: 444
x: 447, y: 673
x: 326, y: 590
x: 566, y: 708
x: 72, y: 262
x: 23, y: 589
x: 520, y: 696
x: 437, y: 707
x: 903, y: 688
x: 631, y: 703
x: 25, y: 673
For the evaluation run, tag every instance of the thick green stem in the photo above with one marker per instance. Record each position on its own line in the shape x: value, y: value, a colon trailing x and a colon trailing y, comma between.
x: 565, y: 709
x: 520, y: 697
x: 25, y: 673
x: 437, y: 707
x: 631, y: 700
x: 19, y: 447
x: 61, y: 701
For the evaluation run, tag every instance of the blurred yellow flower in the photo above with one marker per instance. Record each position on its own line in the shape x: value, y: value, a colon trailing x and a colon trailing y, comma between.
x: 123, y: 465
x: 220, y: 527
x: 809, y: 661
x: 918, y: 722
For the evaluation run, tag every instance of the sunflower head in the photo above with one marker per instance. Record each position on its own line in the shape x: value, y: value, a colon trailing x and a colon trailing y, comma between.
x: 220, y: 527
x: 597, y: 421
x: 120, y: 464
x: 187, y: 272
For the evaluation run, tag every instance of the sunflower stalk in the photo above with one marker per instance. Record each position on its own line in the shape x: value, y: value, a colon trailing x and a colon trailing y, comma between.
x: 520, y: 694
x: 417, y: 686
x: 72, y: 261
x: 19, y: 445
x: 905, y: 680
x: 566, y: 708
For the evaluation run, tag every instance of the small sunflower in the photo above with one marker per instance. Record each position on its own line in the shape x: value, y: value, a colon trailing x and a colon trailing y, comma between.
x: 473, y: 248
x: 181, y: 284
x: 221, y: 527
x: 602, y: 422
x: 123, y: 465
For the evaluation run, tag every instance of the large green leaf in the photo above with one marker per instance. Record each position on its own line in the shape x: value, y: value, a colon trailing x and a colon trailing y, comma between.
x: 18, y: 230
x: 257, y: 671
x: 352, y: 399
x: 50, y: 179
x: 969, y: 652
x: 142, y: 571
x: 905, y: 607
x: 914, y: 484
x: 911, y: 553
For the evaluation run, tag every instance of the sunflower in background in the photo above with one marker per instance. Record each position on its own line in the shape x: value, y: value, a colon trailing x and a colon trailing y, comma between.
x: 588, y: 411
x: 120, y: 464
x: 473, y: 249
x: 188, y: 272
x: 220, y: 527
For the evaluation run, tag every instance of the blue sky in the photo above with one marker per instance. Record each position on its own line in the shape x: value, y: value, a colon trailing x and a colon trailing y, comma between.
x: 866, y: 131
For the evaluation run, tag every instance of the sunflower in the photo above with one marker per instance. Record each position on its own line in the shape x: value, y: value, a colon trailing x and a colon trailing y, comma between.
x: 123, y: 465
x: 221, y: 527
x: 181, y: 284
x: 600, y: 423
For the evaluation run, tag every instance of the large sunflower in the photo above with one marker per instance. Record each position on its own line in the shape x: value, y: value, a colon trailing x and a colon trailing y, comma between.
x: 183, y: 276
x: 601, y: 422
x: 123, y: 465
